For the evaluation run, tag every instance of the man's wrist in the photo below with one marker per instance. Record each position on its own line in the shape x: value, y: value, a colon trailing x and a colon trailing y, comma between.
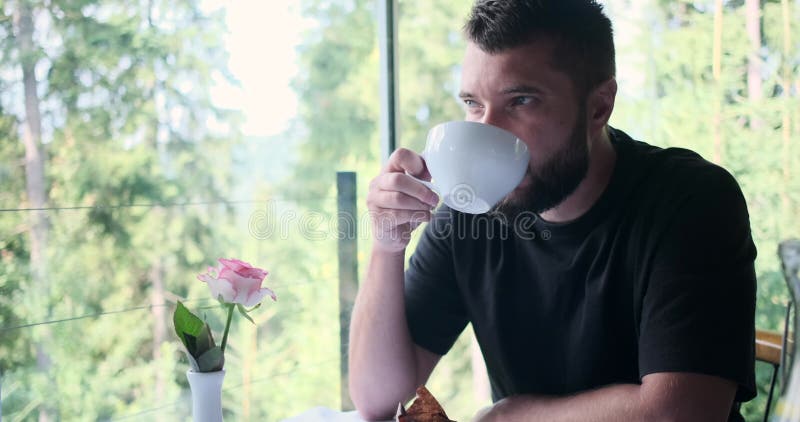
x: 380, y: 250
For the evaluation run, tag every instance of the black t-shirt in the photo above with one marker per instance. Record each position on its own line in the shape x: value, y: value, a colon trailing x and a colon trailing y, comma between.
x: 658, y: 276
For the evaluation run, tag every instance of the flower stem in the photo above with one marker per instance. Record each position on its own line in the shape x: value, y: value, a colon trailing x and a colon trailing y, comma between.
x: 227, y: 326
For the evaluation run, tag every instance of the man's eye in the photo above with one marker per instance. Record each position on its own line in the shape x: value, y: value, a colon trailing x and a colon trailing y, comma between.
x: 521, y: 100
x: 470, y: 103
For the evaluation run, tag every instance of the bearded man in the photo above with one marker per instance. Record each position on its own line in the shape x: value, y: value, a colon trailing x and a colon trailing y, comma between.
x: 631, y: 294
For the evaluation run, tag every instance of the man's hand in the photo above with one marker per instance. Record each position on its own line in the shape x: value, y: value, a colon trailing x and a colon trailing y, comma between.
x: 385, y: 364
x: 669, y: 396
x: 481, y: 414
x: 397, y: 203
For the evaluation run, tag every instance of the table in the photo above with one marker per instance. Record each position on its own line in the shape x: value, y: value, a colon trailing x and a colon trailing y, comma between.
x: 324, y: 414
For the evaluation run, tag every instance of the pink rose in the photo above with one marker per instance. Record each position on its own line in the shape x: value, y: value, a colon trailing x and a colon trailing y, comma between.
x: 237, y: 282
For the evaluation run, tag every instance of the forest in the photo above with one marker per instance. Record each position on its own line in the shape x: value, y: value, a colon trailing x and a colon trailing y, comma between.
x: 121, y: 180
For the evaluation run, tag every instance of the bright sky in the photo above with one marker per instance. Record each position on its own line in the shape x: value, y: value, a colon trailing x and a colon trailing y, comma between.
x: 261, y: 43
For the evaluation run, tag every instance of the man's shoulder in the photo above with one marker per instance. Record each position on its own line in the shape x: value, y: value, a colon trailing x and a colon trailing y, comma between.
x: 671, y: 169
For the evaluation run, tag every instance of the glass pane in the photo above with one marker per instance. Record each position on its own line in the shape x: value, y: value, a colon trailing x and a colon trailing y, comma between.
x: 173, y: 134
x: 737, y: 108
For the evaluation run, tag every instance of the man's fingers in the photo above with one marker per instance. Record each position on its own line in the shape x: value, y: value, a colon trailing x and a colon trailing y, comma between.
x: 398, y: 201
x: 406, y: 184
x: 387, y: 219
x: 404, y: 160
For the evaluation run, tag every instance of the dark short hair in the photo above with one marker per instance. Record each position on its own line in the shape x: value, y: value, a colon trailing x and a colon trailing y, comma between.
x: 583, y: 41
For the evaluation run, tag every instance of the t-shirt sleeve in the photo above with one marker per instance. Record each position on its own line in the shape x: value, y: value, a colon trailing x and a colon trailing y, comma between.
x: 435, y: 311
x: 698, y: 310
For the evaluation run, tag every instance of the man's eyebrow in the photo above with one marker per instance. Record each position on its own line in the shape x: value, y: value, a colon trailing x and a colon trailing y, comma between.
x: 515, y: 89
x: 521, y: 89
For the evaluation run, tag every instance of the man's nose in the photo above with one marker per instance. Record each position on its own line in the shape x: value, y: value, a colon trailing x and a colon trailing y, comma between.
x: 492, y: 116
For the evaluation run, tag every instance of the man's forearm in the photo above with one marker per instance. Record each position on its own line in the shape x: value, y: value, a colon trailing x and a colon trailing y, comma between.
x: 614, y: 403
x: 382, y: 360
x: 667, y: 396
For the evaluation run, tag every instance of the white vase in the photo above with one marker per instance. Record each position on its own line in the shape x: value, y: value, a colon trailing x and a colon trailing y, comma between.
x: 206, y: 395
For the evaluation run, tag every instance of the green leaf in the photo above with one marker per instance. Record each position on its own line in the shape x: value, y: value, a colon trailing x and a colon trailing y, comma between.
x: 187, y: 326
x: 190, y: 342
x: 205, y: 341
x: 212, y: 360
x: 192, y: 361
x: 243, y: 311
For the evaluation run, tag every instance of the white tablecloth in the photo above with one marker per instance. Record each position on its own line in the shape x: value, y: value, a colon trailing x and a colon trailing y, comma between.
x: 323, y: 414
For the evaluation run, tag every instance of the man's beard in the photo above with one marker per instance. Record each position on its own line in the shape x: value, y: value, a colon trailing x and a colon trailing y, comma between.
x: 554, y: 180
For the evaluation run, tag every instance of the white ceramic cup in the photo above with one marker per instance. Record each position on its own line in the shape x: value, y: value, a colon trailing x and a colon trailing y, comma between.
x: 473, y: 165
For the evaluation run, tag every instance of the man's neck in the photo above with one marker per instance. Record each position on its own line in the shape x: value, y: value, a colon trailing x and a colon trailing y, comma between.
x: 602, y: 158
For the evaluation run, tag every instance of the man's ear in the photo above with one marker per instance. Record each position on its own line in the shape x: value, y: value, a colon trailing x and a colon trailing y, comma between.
x: 600, y: 105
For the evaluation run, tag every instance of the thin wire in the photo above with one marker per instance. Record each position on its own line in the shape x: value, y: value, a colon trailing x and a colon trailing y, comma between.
x: 137, y: 308
x: 99, y: 314
x: 164, y: 205
x: 300, y: 283
x: 184, y: 395
x: 90, y: 207
x: 280, y: 374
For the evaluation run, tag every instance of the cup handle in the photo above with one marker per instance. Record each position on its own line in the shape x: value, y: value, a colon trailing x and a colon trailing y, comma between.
x: 428, y: 184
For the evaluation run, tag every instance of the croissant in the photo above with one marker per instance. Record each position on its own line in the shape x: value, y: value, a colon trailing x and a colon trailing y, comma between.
x: 424, y: 409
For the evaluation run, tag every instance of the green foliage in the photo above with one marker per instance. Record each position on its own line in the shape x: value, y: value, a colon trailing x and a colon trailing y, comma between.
x: 338, y: 86
x: 678, y: 101
x: 204, y: 354
x: 126, y: 145
x: 430, y: 48
x: 669, y: 97
x: 151, y: 191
